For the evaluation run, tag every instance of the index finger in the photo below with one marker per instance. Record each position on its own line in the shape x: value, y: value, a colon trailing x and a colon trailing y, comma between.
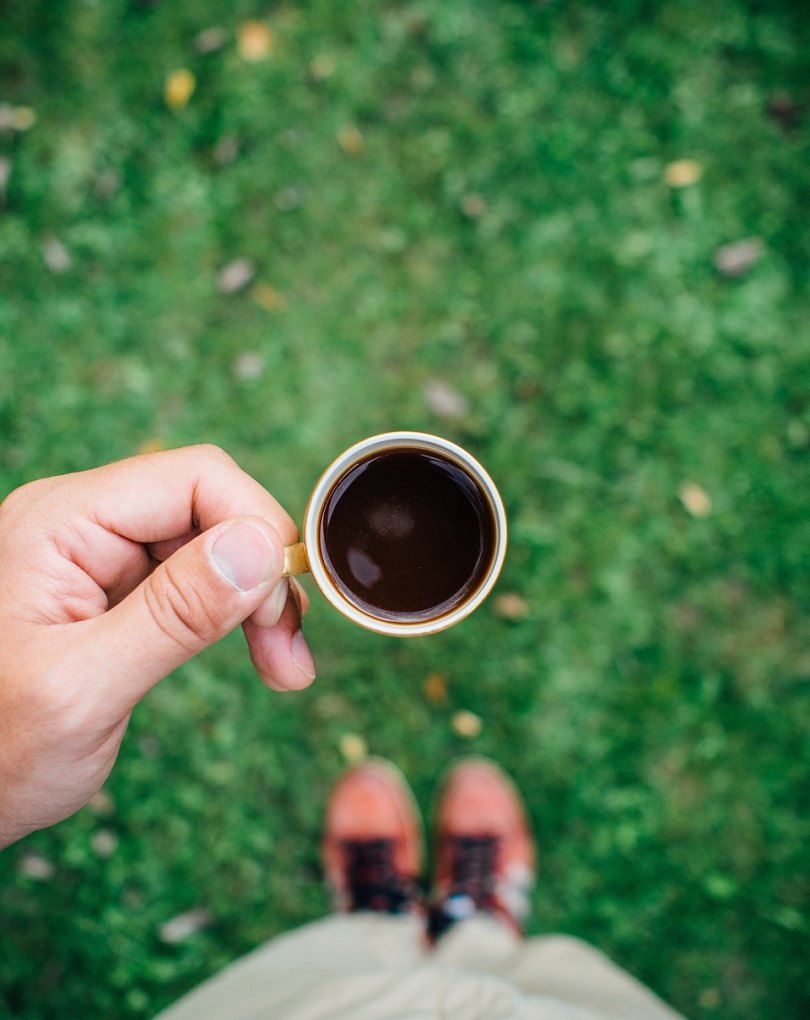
x: 159, y: 496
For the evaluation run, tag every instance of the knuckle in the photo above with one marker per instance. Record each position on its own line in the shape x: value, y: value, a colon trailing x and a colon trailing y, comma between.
x: 180, y: 611
x: 21, y: 499
x: 210, y: 451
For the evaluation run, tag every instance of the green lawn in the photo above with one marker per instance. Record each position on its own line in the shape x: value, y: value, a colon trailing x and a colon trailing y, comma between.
x: 524, y: 203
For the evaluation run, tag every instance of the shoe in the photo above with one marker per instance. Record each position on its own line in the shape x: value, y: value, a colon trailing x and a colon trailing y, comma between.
x: 372, y: 845
x: 485, y: 853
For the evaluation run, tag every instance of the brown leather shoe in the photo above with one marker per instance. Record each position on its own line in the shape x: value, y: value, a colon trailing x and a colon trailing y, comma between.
x: 485, y: 853
x: 372, y: 845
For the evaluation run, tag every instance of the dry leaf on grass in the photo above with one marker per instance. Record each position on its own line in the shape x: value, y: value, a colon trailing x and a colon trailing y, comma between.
x: 256, y: 41
x: 511, y: 606
x: 249, y: 365
x: 350, y: 139
x: 444, y: 401
x: 353, y: 748
x: 695, y: 499
x: 467, y: 724
x: 101, y: 803
x: 56, y: 256
x: 179, y: 88
x: 435, y: 688
x: 682, y: 173
x: 737, y: 258
x: 210, y: 39
x: 104, y: 842
x: 473, y: 206
x: 34, y: 865
x: 16, y: 118
x: 271, y: 299
x: 179, y: 928
x: 152, y: 445
x: 236, y: 276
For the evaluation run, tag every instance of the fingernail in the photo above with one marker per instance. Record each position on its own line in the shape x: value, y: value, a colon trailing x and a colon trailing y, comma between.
x: 302, y: 656
x: 269, y: 612
x: 243, y: 556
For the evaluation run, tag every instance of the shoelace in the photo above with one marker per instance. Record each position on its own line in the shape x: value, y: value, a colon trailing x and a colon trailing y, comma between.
x: 372, y: 879
x: 473, y: 868
x: 472, y: 882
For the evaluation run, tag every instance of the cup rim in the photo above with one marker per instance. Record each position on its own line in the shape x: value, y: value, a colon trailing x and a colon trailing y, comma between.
x: 338, y: 467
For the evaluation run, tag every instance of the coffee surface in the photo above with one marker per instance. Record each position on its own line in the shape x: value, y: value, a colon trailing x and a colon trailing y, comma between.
x: 407, y: 534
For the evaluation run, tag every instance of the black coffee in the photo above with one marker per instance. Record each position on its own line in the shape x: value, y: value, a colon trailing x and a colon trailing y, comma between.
x: 407, y: 535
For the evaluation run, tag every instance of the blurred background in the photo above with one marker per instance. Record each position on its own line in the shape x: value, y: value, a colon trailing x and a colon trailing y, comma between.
x: 572, y: 236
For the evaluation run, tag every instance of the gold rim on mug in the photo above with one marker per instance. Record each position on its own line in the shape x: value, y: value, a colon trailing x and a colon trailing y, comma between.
x: 306, y: 556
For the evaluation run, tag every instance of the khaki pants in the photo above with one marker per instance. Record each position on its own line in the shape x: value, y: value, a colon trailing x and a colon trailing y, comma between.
x: 377, y: 967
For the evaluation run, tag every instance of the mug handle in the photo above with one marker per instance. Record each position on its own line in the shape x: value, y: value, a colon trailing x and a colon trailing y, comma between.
x: 296, y: 560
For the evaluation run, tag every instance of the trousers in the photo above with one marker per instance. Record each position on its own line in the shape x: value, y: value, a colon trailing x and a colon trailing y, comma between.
x: 379, y: 967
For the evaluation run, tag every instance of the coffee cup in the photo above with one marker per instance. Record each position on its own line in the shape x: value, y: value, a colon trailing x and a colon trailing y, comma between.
x: 404, y: 533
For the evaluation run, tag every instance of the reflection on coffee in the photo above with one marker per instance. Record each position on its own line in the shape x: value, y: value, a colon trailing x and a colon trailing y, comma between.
x: 407, y: 535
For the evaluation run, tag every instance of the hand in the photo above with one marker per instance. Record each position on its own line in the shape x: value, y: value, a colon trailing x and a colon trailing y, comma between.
x: 109, y: 580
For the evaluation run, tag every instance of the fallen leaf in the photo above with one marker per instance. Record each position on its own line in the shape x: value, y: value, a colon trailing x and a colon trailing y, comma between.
x: 16, y: 118
x: 24, y: 118
x: 695, y: 499
x: 511, y: 606
x: 179, y: 928
x: 249, y: 365
x: 467, y: 724
x: 268, y: 297
x: 210, y: 39
x: 435, y: 688
x: 236, y: 276
x: 256, y: 41
x: 444, y: 401
x: 350, y: 139
x: 737, y: 258
x: 101, y: 803
x: 56, y: 256
x: 153, y: 445
x: 473, y: 206
x: 323, y: 66
x: 353, y: 748
x: 104, y: 842
x: 34, y: 865
x: 682, y: 173
x: 179, y: 88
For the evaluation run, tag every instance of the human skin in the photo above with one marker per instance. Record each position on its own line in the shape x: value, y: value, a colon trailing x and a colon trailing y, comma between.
x: 109, y: 580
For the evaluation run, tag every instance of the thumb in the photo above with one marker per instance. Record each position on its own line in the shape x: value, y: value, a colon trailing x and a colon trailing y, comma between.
x: 192, y: 599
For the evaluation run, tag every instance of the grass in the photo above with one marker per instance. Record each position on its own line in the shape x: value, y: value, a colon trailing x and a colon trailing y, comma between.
x: 474, y: 193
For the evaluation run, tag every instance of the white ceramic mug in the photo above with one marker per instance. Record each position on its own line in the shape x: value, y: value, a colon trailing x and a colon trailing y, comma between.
x: 443, y: 456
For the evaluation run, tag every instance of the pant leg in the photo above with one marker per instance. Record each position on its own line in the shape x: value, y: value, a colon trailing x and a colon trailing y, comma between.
x: 552, y: 969
x: 353, y: 967
x: 374, y: 967
x: 271, y: 978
